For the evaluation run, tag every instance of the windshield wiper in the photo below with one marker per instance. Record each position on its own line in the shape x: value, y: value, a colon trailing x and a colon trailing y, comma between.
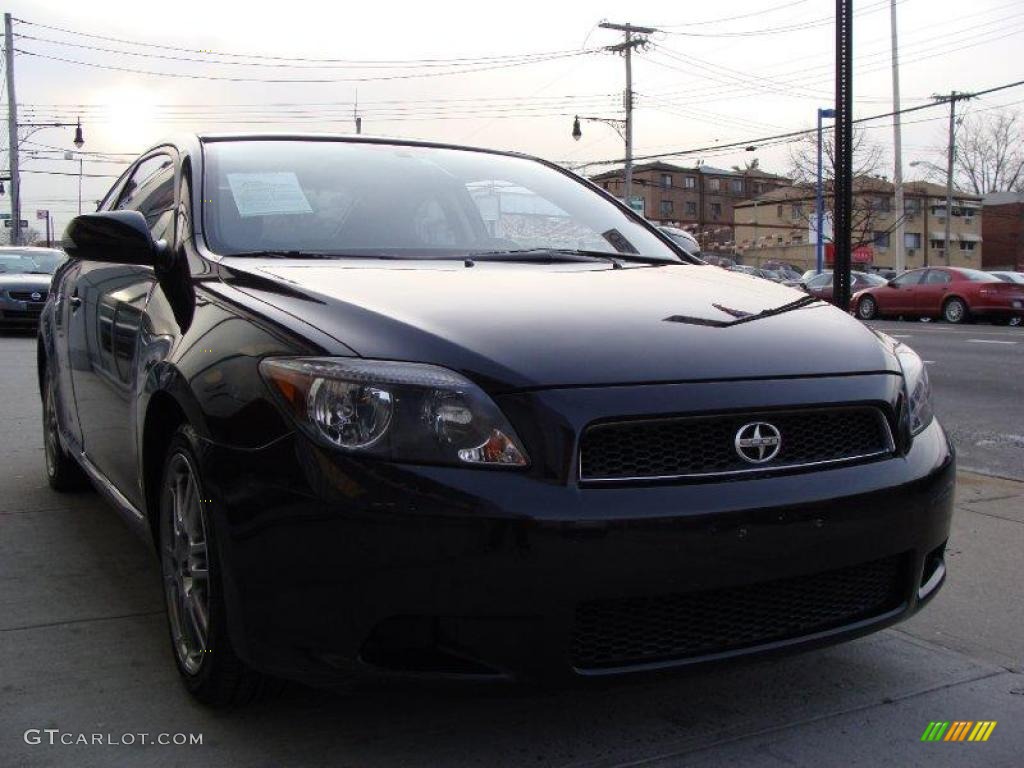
x: 280, y: 254
x: 521, y: 254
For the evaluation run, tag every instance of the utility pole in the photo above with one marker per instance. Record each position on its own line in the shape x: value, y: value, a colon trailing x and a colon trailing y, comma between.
x: 950, y: 156
x: 12, y: 131
x: 355, y: 114
x: 899, y: 262
x: 626, y: 48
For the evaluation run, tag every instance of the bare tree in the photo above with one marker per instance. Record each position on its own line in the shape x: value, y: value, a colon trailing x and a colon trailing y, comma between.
x: 871, y: 192
x: 803, y: 157
x: 989, y: 153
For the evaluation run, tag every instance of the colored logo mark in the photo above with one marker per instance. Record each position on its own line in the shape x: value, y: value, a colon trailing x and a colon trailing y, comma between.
x: 958, y: 730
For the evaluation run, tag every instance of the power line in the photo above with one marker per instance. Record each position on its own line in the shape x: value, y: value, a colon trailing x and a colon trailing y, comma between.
x: 810, y: 24
x: 269, y: 57
x: 310, y: 80
x: 722, y: 20
x: 796, y: 134
x: 206, y: 59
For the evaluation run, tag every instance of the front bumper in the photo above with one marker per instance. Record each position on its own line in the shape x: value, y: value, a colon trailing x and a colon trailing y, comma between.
x: 22, y: 314
x: 334, y: 564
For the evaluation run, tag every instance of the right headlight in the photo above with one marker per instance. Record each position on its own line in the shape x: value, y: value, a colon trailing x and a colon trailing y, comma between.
x: 409, y: 412
x: 919, y: 389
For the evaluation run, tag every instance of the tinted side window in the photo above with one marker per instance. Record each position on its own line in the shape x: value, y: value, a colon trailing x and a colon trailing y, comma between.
x: 150, y: 191
x: 910, y: 278
x: 935, y: 277
x: 108, y: 199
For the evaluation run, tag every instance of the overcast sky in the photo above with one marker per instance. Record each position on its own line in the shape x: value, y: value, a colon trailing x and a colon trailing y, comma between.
x: 717, y: 74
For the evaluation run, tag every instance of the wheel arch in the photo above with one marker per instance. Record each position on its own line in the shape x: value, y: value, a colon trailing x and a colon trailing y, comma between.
x: 164, y: 414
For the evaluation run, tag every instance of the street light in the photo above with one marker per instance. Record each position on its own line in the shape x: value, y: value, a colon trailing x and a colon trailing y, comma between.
x: 819, y: 250
x: 620, y: 127
x: 15, y: 177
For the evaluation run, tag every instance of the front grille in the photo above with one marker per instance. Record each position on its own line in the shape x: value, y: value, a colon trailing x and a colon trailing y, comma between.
x: 695, y: 446
x: 631, y: 631
x: 27, y: 295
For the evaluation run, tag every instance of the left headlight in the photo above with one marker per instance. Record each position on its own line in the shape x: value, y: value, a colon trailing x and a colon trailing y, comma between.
x: 409, y: 412
x: 919, y: 389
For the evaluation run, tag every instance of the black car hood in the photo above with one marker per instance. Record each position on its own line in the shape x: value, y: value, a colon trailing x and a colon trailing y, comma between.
x: 515, y: 325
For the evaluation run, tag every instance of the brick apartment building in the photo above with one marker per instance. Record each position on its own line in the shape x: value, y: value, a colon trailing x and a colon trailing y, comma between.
x: 1003, y: 230
x: 699, y: 199
x: 780, y: 226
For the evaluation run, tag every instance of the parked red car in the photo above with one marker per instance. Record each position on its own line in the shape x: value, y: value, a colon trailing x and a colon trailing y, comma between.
x: 956, y: 295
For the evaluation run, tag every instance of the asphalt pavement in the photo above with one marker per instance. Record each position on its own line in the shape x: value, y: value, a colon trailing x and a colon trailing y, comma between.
x: 84, y: 652
x: 977, y: 375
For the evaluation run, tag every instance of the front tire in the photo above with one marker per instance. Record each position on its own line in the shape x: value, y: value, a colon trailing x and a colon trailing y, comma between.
x: 63, y: 473
x: 867, y: 308
x: 955, y: 311
x: 190, y: 567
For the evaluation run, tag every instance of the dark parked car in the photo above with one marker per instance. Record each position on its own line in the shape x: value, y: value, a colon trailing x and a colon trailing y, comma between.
x: 956, y: 295
x: 25, y: 274
x: 821, y: 285
x: 414, y: 408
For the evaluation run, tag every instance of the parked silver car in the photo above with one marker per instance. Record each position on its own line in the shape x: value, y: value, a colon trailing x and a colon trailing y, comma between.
x: 25, y: 274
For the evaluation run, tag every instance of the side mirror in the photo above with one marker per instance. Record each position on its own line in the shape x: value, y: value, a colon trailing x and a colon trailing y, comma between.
x: 121, y: 237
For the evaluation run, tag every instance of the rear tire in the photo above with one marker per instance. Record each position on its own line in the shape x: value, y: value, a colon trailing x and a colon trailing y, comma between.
x: 63, y: 472
x: 955, y: 311
x: 867, y: 308
x: 190, y: 567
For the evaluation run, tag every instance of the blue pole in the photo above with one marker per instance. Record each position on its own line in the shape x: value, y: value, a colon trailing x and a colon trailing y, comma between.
x: 819, y: 250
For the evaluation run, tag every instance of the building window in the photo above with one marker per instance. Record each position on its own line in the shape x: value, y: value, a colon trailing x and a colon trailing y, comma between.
x: 967, y: 245
x: 798, y: 210
x: 714, y: 184
x: 691, y: 209
x: 911, y: 239
x: 797, y: 239
x: 666, y: 207
x: 778, y: 212
x: 666, y: 181
x: 716, y: 210
x: 881, y: 204
x: 690, y: 182
x: 938, y: 244
x: 737, y: 186
x: 880, y: 239
x: 911, y: 206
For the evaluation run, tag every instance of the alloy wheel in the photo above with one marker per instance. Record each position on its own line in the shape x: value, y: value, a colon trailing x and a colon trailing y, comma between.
x: 866, y: 308
x: 954, y: 311
x: 185, y: 565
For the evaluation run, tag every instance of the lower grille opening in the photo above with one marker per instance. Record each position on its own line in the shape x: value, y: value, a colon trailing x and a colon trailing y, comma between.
x: 631, y: 631
x: 416, y: 644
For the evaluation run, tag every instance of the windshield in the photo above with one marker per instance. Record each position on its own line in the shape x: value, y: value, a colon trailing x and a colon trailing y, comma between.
x: 384, y: 200
x: 42, y: 261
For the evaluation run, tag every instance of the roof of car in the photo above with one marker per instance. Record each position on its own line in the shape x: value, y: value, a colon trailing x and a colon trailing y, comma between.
x: 215, y: 136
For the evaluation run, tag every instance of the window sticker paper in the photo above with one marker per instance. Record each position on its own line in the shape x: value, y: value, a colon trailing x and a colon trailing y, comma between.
x: 268, y: 194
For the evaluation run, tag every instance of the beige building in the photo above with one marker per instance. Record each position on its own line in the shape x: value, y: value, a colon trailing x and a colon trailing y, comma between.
x: 699, y: 199
x: 780, y: 226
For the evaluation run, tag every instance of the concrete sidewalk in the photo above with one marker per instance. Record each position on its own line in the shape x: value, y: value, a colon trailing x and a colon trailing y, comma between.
x: 83, y: 649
